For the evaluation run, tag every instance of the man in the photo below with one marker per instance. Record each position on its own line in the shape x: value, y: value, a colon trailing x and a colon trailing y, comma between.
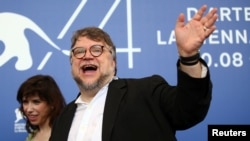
x: 147, y: 109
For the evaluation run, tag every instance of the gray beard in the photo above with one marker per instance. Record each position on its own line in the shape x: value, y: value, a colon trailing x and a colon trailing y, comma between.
x: 95, y: 86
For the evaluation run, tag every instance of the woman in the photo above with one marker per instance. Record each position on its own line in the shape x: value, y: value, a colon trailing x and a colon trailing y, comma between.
x: 41, y: 101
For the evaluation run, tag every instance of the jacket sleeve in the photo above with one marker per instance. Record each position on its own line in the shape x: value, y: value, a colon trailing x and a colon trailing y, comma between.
x: 188, y: 102
x: 61, y: 126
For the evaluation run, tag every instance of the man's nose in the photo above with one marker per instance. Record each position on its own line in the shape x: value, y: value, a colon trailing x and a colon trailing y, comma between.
x: 88, y: 54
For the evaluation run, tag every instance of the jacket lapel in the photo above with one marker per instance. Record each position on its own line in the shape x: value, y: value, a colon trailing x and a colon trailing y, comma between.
x: 114, y: 96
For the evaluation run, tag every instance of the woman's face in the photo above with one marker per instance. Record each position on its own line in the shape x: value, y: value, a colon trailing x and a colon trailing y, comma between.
x: 36, y: 110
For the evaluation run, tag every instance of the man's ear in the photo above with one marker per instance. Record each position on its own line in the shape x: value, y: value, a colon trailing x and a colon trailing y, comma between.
x: 70, y: 59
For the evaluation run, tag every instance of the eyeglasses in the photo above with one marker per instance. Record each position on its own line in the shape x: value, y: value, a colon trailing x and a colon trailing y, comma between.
x: 95, y: 50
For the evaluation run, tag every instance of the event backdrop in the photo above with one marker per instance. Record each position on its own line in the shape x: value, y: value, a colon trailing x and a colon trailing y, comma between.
x: 35, y: 38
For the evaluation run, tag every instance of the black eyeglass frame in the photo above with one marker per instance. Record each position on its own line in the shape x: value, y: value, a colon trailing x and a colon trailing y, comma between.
x: 82, y: 52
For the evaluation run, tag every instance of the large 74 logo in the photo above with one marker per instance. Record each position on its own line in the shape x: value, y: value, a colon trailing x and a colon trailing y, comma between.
x: 21, y: 50
x: 130, y: 50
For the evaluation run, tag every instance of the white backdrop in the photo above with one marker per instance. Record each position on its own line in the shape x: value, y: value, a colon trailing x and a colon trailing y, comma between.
x: 33, y: 35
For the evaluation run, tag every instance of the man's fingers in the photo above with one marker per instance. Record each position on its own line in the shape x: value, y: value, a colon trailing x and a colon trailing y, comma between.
x: 199, y: 14
x: 180, y: 22
x: 210, y: 18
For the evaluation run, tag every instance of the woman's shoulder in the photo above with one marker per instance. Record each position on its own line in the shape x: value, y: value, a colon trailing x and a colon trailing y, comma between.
x: 29, y: 137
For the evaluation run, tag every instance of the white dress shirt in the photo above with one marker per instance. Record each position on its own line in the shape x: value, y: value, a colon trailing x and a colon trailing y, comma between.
x: 87, y: 122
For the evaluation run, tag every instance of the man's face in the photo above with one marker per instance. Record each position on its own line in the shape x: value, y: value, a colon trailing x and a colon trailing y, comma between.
x: 91, y: 72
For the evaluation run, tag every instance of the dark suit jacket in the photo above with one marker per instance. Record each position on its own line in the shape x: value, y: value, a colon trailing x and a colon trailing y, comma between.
x: 146, y: 109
